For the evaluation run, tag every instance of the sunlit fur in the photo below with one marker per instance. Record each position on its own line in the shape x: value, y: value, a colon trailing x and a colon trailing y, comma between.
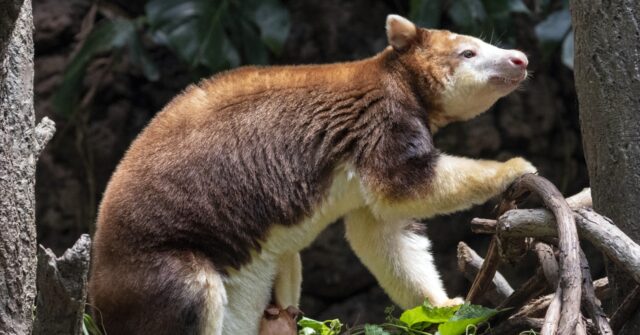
x: 468, y: 91
x: 201, y: 224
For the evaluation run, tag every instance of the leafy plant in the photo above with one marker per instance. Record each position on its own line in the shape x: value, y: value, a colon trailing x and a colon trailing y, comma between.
x: 89, y: 326
x: 219, y: 34
x: 313, y: 327
x: 421, y: 320
x: 108, y: 36
x: 495, y: 17
x: 208, y: 36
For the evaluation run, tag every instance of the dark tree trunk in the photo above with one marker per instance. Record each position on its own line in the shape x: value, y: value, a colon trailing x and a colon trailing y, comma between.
x: 607, y: 76
x: 20, y: 144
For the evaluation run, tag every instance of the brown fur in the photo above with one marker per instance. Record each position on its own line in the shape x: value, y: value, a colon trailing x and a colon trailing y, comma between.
x: 248, y: 149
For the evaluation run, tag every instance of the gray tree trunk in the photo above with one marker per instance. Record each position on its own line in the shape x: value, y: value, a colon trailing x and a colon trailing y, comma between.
x: 607, y: 76
x: 62, y: 289
x: 20, y: 144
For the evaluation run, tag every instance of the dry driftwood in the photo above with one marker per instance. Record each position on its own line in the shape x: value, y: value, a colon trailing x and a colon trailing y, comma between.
x: 536, y: 308
x: 552, y: 316
x: 569, y: 288
x: 592, y: 226
x: 590, y: 301
x: 532, y: 288
x: 548, y: 262
x: 62, y: 289
x: 486, y: 273
x: 605, y: 236
x: 469, y: 263
x: 576, y: 201
x: 492, y: 259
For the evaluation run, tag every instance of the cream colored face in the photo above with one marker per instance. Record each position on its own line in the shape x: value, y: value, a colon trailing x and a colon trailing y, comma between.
x: 468, y: 74
x: 483, y: 74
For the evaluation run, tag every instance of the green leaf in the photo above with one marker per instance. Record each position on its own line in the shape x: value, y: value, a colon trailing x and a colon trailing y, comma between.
x: 427, y: 314
x: 273, y: 20
x: 167, y: 14
x: 554, y: 27
x: 334, y: 327
x: 89, y: 327
x: 425, y: 13
x: 374, y: 330
x: 567, y: 51
x: 517, y: 6
x: 106, y: 36
x: 307, y: 331
x: 465, y: 316
x: 315, y: 327
x: 219, y: 34
x: 415, y: 318
x: 139, y: 57
x: 467, y: 13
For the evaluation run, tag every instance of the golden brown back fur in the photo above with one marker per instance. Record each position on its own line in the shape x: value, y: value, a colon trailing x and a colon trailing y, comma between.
x: 248, y: 149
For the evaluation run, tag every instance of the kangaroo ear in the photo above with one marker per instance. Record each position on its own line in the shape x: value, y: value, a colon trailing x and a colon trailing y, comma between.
x: 400, y: 32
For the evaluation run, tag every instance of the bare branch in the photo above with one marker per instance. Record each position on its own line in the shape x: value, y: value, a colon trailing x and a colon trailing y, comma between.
x: 591, y: 303
x: 626, y: 310
x: 469, y: 263
x: 536, y: 308
x: 532, y: 288
x: 581, y: 199
x: 552, y: 317
x: 592, y: 226
x: 483, y: 226
x: 601, y: 288
x: 487, y: 272
x: 568, y: 245
x: 548, y: 262
x: 62, y: 289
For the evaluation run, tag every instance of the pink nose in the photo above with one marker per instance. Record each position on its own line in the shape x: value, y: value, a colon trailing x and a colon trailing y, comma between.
x: 518, y: 59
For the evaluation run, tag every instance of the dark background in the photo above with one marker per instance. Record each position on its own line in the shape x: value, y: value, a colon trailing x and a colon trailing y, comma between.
x: 538, y: 121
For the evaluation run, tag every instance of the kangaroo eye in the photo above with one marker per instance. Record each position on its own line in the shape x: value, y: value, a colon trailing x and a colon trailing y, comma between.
x: 468, y: 54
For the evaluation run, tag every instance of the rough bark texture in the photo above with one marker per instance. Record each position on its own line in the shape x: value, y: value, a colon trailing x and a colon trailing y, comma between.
x: 590, y: 302
x: 469, y: 263
x: 607, y: 75
x: 8, y: 19
x: 20, y: 144
x: 593, y: 227
x: 62, y: 289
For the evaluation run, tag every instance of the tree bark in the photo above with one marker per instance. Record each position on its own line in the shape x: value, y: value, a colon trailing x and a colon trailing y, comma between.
x: 469, y: 263
x: 62, y: 289
x: 20, y: 144
x: 595, y: 228
x: 607, y: 76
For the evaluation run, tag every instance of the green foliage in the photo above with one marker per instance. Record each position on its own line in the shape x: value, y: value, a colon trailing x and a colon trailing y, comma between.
x: 464, y: 318
x: 219, y: 34
x: 495, y: 18
x: 313, y: 327
x: 106, y: 36
x: 209, y: 36
x: 421, y: 320
x: 89, y: 327
x: 375, y: 330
